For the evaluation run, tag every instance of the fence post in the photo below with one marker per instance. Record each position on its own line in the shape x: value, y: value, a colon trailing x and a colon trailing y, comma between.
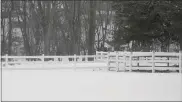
x: 93, y: 58
x: 180, y: 61
x: 130, y: 61
x: 55, y: 59
x: 108, y: 63
x: 96, y: 55
x: 74, y: 61
x: 6, y: 60
x: 153, y: 61
x: 124, y: 61
x: 138, y: 59
x: 86, y: 59
x: 117, y: 61
x: 42, y: 60
x: 168, y: 61
x: 101, y: 54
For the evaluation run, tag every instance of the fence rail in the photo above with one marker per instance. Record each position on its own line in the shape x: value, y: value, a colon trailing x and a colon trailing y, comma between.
x: 75, y: 61
x: 152, y: 60
x: 120, y: 61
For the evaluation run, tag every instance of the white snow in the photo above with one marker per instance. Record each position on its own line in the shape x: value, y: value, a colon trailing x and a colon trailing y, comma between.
x: 70, y: 85
x: 54, y: 64
x: 58, y: 65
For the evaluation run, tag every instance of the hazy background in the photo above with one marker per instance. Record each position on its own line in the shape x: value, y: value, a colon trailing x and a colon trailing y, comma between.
x: 82, y: 27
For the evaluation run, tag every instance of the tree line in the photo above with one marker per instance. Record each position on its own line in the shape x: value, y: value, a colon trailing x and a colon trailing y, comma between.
x: 81, y: 27
x: 54, y: 27
x: 147, y: 24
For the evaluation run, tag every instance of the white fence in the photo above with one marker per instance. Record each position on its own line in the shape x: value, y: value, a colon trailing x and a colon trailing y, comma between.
x: 81, y: 61
x: 141, y: 60
x: 119, y: 61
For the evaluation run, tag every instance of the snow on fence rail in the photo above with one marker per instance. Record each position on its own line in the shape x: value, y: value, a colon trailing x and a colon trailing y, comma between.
x: 120, y: 61
x: 81, y: 61
x: 142, y: 60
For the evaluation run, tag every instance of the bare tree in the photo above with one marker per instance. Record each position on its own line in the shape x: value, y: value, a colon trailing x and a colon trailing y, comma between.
x: 91, y: 40
x: 10, y: 28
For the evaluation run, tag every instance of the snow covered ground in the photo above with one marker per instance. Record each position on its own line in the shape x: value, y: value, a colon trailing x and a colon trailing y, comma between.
x: 102, y: 64
x: 70, y: 85
x: 59, y: 65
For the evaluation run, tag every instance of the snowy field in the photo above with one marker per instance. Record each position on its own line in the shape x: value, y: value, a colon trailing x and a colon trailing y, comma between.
x: 58, y: 65
x: 86, y: 65
x: 79, y: 85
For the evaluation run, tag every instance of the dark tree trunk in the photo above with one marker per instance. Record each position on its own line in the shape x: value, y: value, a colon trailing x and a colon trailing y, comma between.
x: 24, y: 31
x: 91, y: 37
x: 3, y: 44
x: 180, y: 40
x: 50, y: 10
x: 26, y: 40
x: 98, y: 42
x: 10, y: 29
x: 105, y: 29
x: 46, y: 35
x: 79, y: 26
x: 73, y: 41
